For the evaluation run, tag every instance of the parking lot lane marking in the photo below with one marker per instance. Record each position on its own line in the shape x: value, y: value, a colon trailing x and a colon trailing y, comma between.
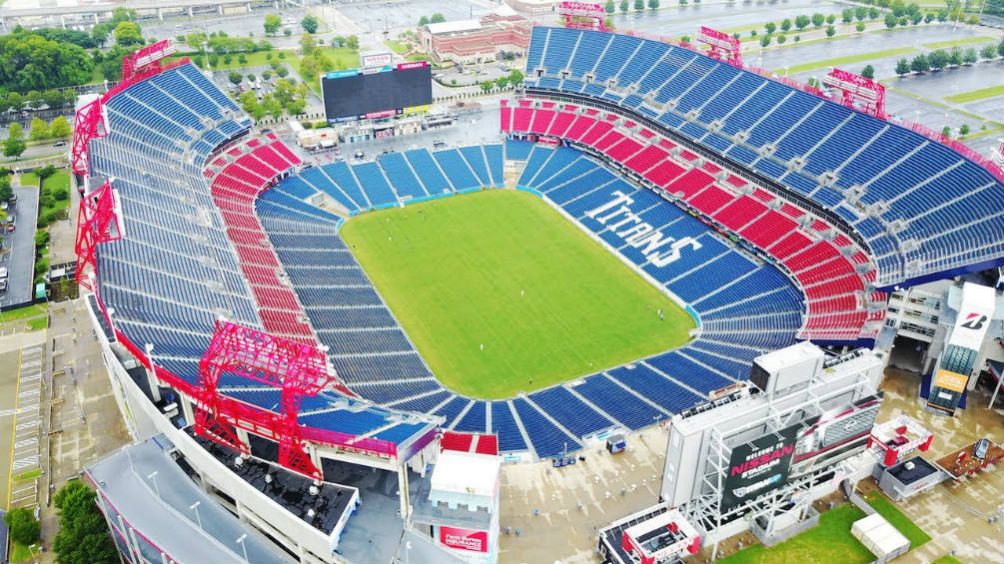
x: 13, y: 431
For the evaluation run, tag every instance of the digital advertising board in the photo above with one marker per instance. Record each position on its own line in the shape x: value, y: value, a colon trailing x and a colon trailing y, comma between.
x: 374, y: 93
x: 464, y: 539
x: 759, y: 466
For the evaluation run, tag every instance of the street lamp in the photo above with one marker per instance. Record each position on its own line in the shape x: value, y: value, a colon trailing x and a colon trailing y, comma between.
x: 240, y: 541
x: 195, y: 507
x: 152, y: 476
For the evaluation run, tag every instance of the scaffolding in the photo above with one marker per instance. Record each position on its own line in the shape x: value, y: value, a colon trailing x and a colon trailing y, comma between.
x: 857, y: 92
x: 97, y: 222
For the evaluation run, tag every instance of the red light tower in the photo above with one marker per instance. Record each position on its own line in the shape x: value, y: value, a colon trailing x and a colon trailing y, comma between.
x: 298, y: 369
x: 97, y: 222
x: 722, y: 46
x: 582, y: 15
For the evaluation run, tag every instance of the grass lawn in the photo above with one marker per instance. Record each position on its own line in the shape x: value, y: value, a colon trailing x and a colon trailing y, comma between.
x: 503, y: 270
x: 399, y: 47
x: 20, y: 552
x: 28, y: 475
x: 830, y: 541
x: 974, y: 95
x: 23, y: 312
x: 850, y: 59
x: 53, y: 206
x: 29, y: 179
x: 961, y: 42
x: 897, y: 519
x: 947, y: 559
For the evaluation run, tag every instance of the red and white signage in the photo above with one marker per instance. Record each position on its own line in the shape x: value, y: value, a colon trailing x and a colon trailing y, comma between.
x: 464, y: 539
x: 412, y: 65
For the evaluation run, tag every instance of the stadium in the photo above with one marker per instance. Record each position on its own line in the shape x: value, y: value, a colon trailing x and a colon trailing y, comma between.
x: 649, y: 219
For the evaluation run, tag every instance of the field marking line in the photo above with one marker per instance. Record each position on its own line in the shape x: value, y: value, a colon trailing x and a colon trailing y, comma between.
x: 13, y: 431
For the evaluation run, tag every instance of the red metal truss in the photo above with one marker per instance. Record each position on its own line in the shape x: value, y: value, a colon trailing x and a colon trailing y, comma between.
x: 141, y: 59
x: 297, y: 368
x: 723, y: 46
x: 583, y: 15
x: 97, y: 222
x: 86, y: 126
x: 858, y: 92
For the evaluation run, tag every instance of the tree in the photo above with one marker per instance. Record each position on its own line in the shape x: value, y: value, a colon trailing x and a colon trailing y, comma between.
x: 127, y: 33
x: 639, y: 5
x: 902, y: 67
x: 624, y: 6
x: 818, y: 19
x: 1000, y: 48
x: 100, y: 32
x: 860, y: 13
x: 955, y: 57
x: 251, y: 77
x: 287, y: 31
x: 437, y: 18
x: 235, y: 77
x: 988, y: 52
x: 781, y: 38
x: 83, y: 535
x: 267, y: 75
x: 830, y: 31
x: 920, y: 64
x: 868, y: 72
x: 39, y: 129
x: 765, y: 41
x: 937, y: 60
x: 890, y: 21
x: 310, y: 23
x: 831, y: 19
x: 964, y: 130
x: 501, y: 82
x: 785, y: 25
x: 14, y: 145
x: 282, y: 72
x: 32, y: 62
x: 272, y: 24
x: 859, y: 27
x: 60, y: 128
x: 516, y: 77
x: 352, y: 42
x: 873, y: 13
x: 309, y: 67
x: 307, y: 44
x: 946, y: 131
x: 929, y: 17
x: 424, y: 20
x: 610, y: 7
x: 24, y: 528
x: 487, y: 85
x: 653, y: 4
x: 802, y: 22
x: 770, y: 27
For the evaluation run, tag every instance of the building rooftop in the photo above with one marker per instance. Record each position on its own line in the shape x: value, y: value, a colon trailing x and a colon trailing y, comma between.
x: 454, y: 27
x: 148, y: 488
x: 912, y: 470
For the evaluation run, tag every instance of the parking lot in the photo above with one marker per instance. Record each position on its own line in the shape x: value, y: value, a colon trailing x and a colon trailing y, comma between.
x: 18, y: 248
x: 26, y: 425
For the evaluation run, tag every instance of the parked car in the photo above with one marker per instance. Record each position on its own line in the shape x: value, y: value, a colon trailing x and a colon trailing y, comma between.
x: 59, y: 144
x: 981, y: 449
x: 3, y: 285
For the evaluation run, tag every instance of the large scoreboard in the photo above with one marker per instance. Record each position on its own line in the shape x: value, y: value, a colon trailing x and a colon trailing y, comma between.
x: 376, y: 93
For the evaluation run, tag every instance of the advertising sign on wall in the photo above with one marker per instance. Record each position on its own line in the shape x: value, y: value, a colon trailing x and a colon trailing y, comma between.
x: 758, y: 467
x: 464, y: 539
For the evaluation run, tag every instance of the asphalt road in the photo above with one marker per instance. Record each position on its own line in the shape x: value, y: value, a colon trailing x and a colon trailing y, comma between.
x: 19, y: 249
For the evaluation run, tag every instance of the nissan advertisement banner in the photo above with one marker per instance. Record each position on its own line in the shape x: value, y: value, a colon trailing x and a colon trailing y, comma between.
x: 759, y: 466
x: 464, y: 539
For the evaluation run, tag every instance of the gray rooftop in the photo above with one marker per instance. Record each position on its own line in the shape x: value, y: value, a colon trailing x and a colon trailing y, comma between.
x: 160, y: 507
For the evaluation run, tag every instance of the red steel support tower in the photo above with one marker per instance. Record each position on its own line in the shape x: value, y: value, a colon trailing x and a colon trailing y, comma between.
x: 583, y: 15
x: 857, y: 92
x: 97, y: 222
x: 298, y: 369
x: 722, y: 46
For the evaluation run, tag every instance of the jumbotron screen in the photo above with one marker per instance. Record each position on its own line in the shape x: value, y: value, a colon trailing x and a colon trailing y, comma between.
x: 354, y: 94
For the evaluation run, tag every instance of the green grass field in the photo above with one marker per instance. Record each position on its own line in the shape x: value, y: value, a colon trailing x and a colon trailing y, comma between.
x: 961, y: 42
x: 850, y: 59
x: 502, y: 269
x: 974, y: 95
x: 830, y: 541
x: 897, y: 519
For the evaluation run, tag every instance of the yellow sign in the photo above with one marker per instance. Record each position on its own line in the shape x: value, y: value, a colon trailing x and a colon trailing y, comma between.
x: 950, y: 380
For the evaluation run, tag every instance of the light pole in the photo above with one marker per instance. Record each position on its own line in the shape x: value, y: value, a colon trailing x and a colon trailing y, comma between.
x: 152, y: 476
x: 240, y: 541
x: 195, y: 507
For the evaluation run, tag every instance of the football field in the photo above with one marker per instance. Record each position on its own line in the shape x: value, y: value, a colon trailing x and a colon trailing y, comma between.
x: 501, y: 294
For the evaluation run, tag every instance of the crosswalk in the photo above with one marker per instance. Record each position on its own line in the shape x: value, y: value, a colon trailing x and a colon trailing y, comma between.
x: 27, y: 428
